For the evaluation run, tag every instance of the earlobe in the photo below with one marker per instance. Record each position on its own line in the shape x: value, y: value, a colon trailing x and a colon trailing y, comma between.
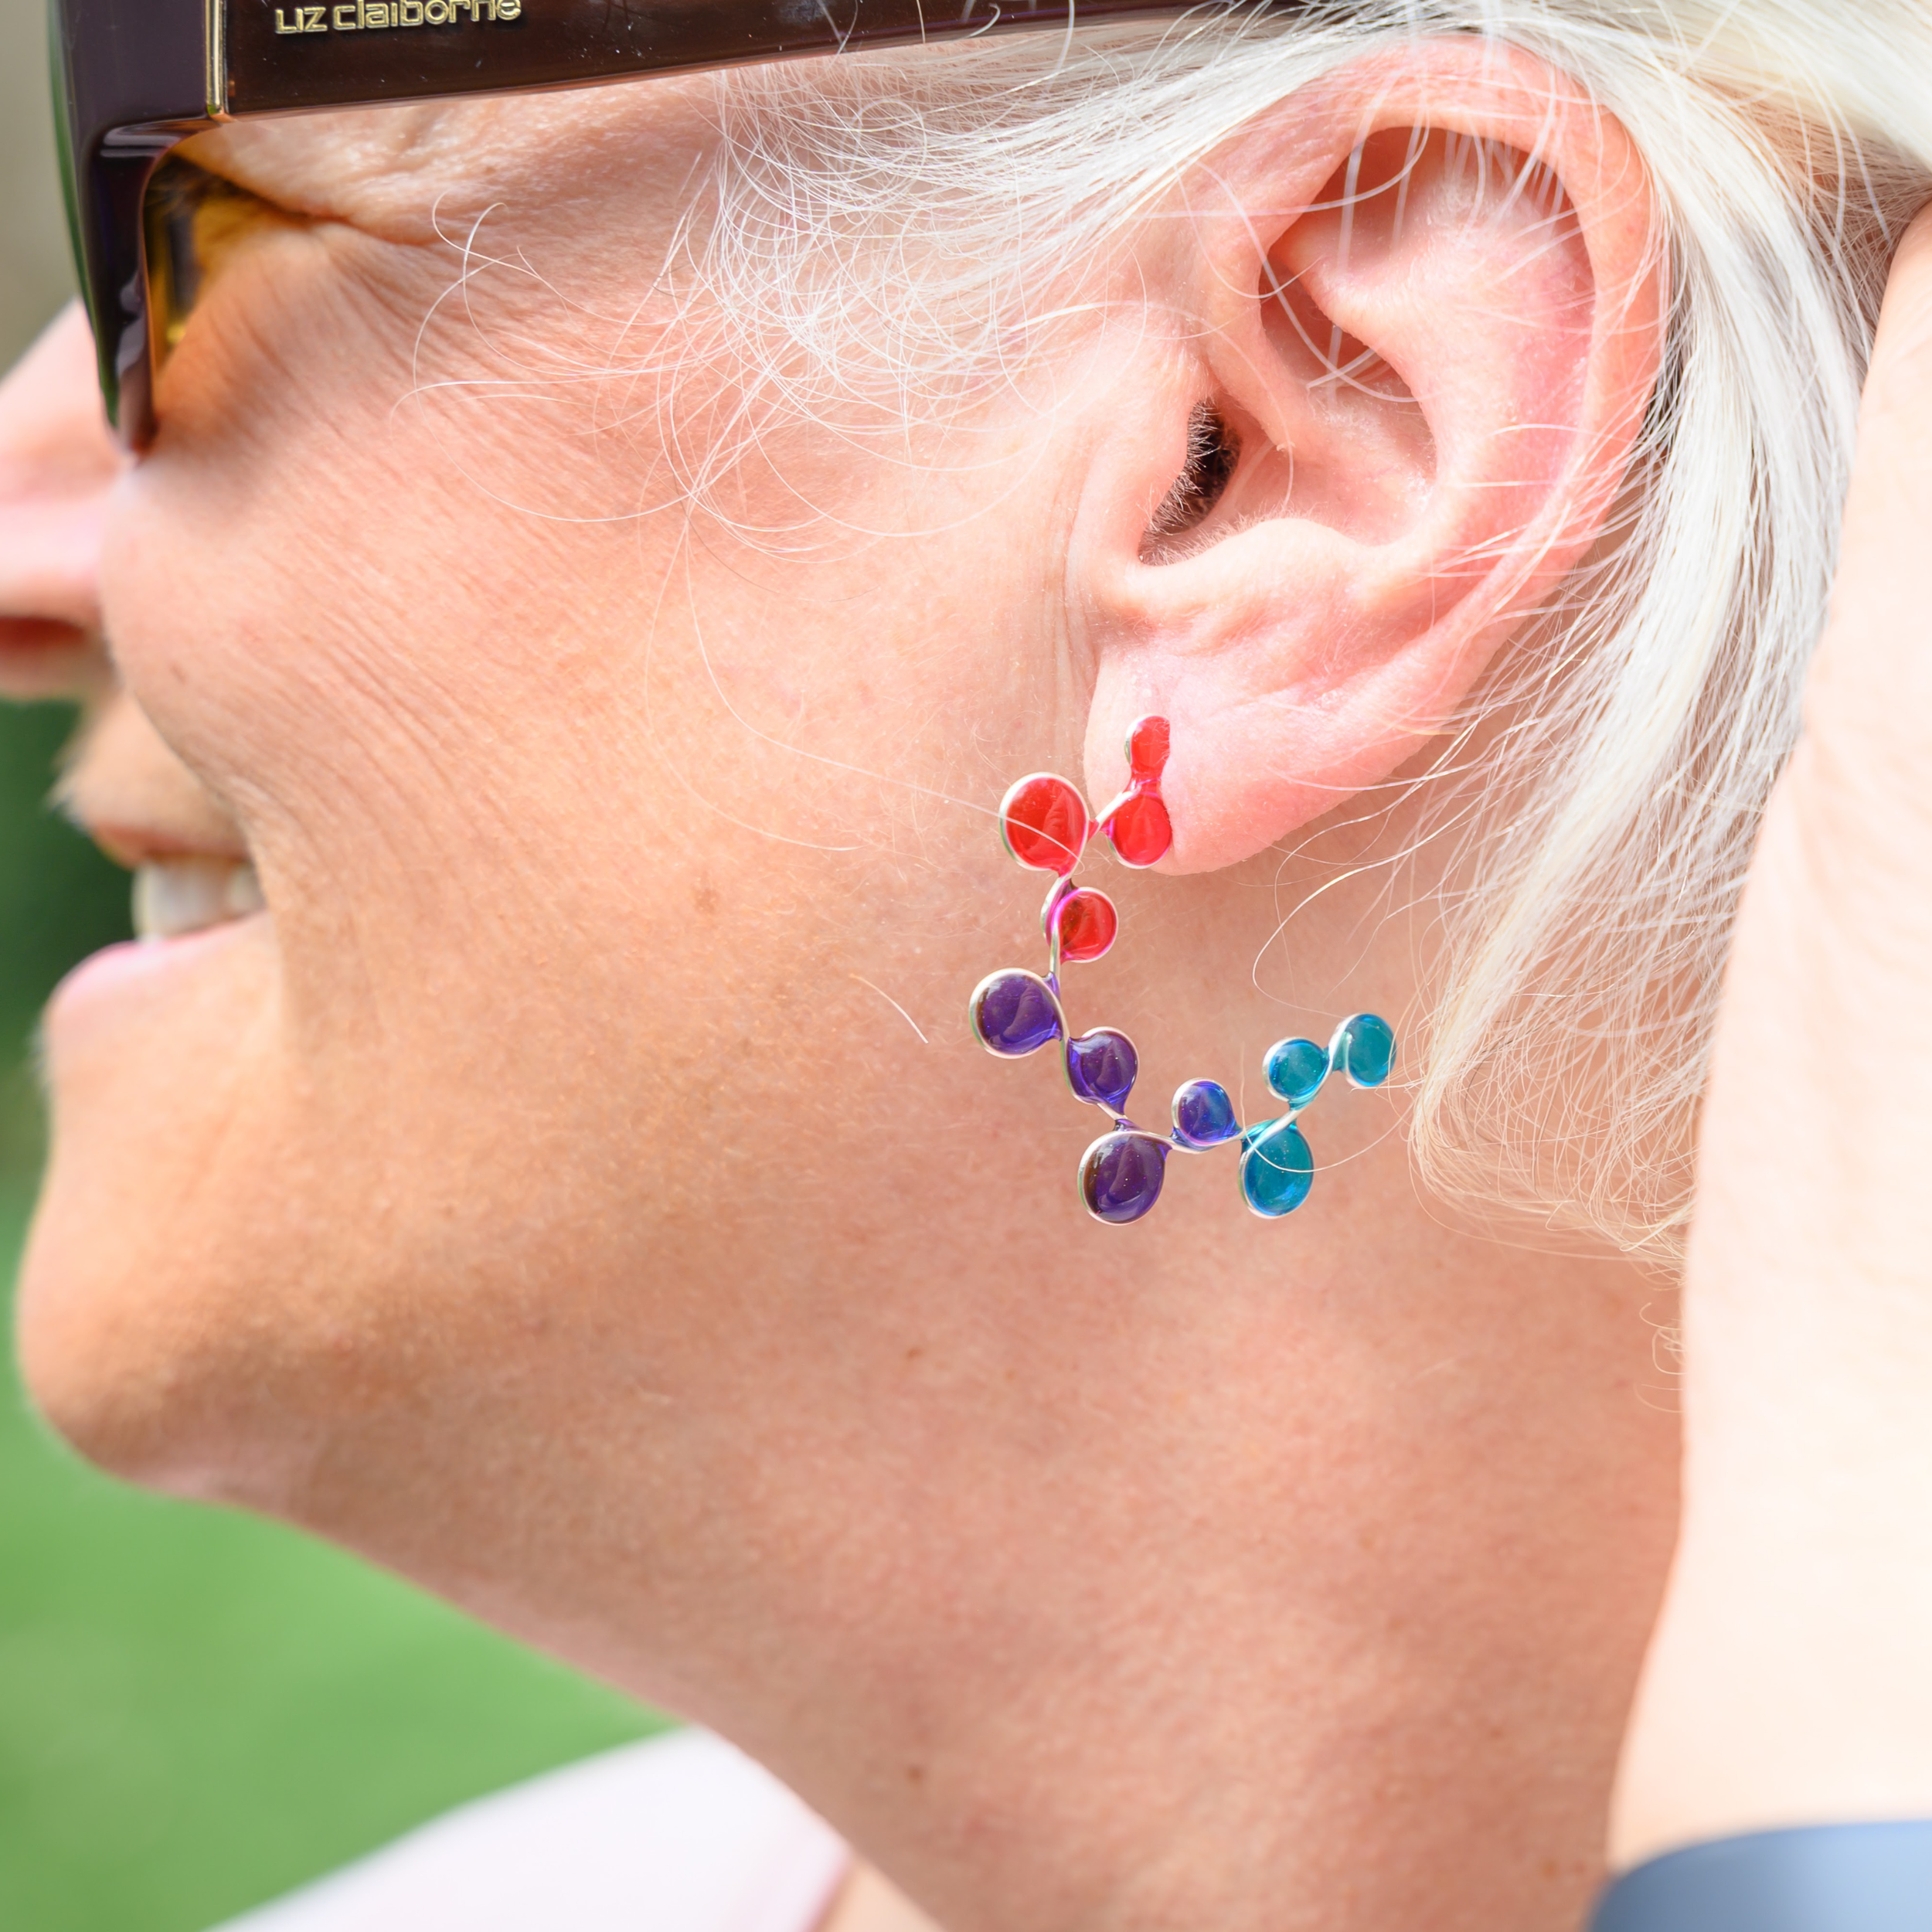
x: 1418, y: 317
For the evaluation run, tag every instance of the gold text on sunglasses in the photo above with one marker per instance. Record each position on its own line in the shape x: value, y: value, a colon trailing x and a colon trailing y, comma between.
x: 355, y: 16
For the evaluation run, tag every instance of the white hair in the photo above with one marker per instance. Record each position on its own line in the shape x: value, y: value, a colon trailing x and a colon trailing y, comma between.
x: 875, y: 244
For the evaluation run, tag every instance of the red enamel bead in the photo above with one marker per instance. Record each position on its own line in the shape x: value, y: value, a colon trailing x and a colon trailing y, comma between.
x: 1088, y: 924
x: 1147, y: 749
x: 1044, y: 822
x: 1140, y: 829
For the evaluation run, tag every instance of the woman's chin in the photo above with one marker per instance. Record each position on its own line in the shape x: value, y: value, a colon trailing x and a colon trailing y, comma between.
x: 155, y: 1054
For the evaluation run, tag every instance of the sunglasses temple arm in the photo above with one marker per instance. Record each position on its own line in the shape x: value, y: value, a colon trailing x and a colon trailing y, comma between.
x: 134, y: 77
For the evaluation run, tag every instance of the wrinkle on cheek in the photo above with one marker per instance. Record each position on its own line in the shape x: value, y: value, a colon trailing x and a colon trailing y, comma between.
x: 356, y: 648
x: 524, y: 310
x: 407, y: 688
x: 247, y: 628
x: 295, y: 317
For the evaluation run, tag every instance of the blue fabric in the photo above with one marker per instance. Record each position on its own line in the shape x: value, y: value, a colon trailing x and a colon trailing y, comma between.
x: 1821, y: 1878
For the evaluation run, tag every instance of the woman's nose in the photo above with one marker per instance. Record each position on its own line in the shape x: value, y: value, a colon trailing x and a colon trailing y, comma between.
x: 58, y: 462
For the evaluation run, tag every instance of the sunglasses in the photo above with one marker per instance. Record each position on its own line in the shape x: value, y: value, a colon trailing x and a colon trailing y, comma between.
x: 134, y: 78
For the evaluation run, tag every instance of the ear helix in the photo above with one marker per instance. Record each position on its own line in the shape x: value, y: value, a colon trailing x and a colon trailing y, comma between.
x: 1046, y: 826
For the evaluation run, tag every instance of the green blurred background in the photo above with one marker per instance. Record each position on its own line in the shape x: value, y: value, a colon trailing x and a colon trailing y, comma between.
x: 197, y: 1710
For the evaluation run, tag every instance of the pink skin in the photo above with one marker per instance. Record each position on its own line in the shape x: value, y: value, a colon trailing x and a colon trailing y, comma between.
x: 1787, y: 1683
x: 544, y: 1197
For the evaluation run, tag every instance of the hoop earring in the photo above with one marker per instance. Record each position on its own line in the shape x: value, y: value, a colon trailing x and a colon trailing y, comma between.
x: 1046, y: 826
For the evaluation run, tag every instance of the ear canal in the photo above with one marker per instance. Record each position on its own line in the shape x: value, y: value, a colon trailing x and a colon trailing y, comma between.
x: 1213, y: 454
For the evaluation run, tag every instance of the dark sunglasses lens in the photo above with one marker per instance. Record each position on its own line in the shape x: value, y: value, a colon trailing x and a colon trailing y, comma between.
x: 188, y: 215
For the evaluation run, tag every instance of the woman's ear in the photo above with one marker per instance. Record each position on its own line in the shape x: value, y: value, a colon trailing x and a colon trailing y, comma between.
x: 1417, y: 314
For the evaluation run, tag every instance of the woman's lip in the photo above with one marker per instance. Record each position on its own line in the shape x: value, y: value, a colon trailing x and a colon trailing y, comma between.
x: 137, y: 969
x: 137, y: 845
